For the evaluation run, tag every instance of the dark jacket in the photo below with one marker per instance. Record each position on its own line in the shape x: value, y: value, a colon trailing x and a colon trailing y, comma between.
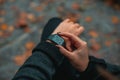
x: 47, y: 63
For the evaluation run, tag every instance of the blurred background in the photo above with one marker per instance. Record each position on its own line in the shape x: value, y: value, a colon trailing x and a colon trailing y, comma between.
x: 22, y: 22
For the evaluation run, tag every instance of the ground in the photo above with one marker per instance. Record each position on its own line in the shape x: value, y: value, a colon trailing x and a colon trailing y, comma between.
x: 22, y: 22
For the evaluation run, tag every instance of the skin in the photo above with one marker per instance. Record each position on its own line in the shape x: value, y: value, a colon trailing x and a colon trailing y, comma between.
x: 76, y: 49
x: 68, y: 26
x: 78, y: 56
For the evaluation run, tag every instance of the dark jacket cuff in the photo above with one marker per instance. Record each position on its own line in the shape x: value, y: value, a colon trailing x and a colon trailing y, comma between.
x: 51, y: 51
x: 91, y: 71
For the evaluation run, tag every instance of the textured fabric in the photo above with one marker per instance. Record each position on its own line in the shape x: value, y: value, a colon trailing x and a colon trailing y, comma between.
x: 47, y: 63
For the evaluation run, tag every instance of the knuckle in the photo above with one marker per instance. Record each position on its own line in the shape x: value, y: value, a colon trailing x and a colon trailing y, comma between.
x: 82, y: 27
x: 84, y: 43
x: 76, y: 25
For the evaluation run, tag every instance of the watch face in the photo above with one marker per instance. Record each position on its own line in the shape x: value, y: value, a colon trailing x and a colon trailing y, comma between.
x: 57, y: 39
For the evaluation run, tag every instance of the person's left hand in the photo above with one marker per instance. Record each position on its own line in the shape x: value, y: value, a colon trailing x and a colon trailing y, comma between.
x: 69, y: 26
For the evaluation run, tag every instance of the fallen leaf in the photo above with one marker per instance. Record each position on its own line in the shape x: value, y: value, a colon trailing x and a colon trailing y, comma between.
x: 27, y: 30
x: 95, y: 45
x: 115, y: 20
x: 23, y: 15
x: 60, y: 9
x: 22, y: 20
x: 4, y: 27
x: 76, y: 6
x: 29, y: 45
x: 20, y: 59
x: 31, y: 17
x: 21, y: 23
x: 88, y: 19
x: 108, y: 43
x: 11, y: 28
x: 93, y: 33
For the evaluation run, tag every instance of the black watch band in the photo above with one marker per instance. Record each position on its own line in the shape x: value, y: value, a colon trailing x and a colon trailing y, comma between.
x: 55, y: 38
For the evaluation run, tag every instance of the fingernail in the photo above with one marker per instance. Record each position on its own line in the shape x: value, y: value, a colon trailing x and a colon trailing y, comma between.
x: 57, y: 46
x: 58, y: 32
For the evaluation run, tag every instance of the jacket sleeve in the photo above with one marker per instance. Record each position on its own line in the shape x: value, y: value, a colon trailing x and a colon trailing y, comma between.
x: 91, y: 73
x: 42, y: 64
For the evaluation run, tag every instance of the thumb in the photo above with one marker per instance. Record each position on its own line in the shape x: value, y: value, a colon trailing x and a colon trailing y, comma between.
x: 64, y: 51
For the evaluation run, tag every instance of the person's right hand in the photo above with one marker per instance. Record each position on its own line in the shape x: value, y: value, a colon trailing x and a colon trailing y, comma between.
x: 78, y: 56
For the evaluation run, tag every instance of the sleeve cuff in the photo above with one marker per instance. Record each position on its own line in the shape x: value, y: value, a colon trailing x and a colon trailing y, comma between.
x: 91, y: 71
x: 51, y: 51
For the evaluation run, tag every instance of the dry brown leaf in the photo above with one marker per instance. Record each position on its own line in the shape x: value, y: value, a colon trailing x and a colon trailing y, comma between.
x: 20, y: 59
x: 76, y: 6
x: 4, y: 27
x: 115, y: 20
x: 60, y: 9
x: 31, y: 17
x: 23, y: 15
x: 88, y: 19
x: 95, y: 45
x: 108, y: 43
x: 11, y: 28
x: 29, y: 45
x: 93, y: 33
x: 21, y: 23
x: 27, y: 30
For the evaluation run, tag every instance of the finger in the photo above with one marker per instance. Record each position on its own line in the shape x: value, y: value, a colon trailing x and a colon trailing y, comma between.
x: 80, y: 29
x: 64, y: 51
x: 76, y: 25
x: 66, y: 20
x: 70, y: 22
x: 67, y: 43
x: 76, y: 41
x: 70, y: 36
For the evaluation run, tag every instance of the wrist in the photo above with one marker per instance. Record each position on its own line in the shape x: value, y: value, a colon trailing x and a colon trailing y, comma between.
x: 55, y: 39
x: 49, y: 41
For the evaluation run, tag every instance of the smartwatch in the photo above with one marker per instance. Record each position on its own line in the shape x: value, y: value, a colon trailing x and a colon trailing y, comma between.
x: 56, y: 39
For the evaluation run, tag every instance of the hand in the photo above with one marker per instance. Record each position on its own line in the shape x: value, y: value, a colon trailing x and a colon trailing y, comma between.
x: 68, y: 26
x: 77, y: 56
